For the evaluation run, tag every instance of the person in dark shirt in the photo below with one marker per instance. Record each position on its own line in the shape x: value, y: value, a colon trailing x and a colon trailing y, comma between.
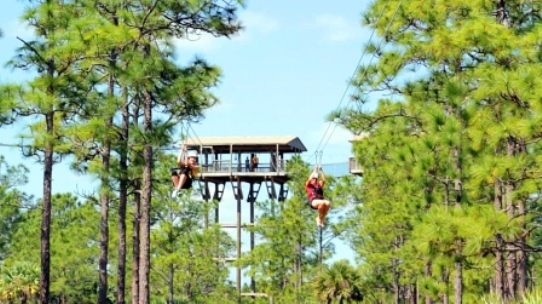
x: 183, y: 175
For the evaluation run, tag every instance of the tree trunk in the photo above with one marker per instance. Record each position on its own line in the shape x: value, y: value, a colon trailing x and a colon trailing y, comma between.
x: 499, y: 267
x: 46, y: 218
x: 413, y: 289
x: 123, y: 202
x: 105, y: 183
x: 510, y: 210
x: 170, y: 285
x: 458, y: 183
x: 144, y: 262
x: 458, y: 187
x: 135, y: 244
x: 446, y: 281
x: 522, y: 255
x: 458, y: 280
x: 498, y: 195
x: 428, y: 274
x: 300, y: 264
x: 395, y: 274
x: 510, y: 275
x: 45, y: 238
x: 499, y: 258
x: 104, y: 226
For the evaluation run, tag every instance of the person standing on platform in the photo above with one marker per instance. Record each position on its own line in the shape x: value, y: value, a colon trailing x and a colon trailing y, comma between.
x: 255, y: 162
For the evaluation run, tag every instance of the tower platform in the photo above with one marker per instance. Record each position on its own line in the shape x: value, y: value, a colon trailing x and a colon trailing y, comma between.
x: 230, y: 160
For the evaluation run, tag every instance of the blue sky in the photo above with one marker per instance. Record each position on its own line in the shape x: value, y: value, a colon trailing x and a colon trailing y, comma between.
x: 281, y: 76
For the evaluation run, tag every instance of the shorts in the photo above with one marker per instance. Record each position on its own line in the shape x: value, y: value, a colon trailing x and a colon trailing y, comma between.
x: 186, y: 171
x: 309, y: 202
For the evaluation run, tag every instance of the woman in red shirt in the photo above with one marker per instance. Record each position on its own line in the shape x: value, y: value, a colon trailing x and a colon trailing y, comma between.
x: 315, y: 192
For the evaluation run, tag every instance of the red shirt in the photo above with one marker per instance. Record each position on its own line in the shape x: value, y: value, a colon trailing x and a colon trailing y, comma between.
x: 314, y: 191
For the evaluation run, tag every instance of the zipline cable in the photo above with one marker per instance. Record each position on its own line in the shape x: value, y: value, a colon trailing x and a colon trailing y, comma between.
x: 357, y: 67
x: 193, y: 131
x: 353, y: 75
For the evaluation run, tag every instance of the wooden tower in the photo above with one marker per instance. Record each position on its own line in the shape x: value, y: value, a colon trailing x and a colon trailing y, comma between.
x: 223, y: 161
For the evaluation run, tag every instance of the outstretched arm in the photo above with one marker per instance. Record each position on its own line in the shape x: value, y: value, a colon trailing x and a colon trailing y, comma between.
x: 322, y: 177
x: 315, y: 170
x: 181, y: 157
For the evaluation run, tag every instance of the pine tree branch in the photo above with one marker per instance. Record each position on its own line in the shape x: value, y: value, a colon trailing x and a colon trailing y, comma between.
x: 151, y: 10
x: 513, y: 97
x: 33, y: 50
x: 383, y: 117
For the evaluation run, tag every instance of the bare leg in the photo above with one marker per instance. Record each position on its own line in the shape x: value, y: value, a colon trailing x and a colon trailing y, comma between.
x: 178, y: 182
x: 182, y: 179
x: 323, y: 208
x: 321, y: 213
x: 175, y: 180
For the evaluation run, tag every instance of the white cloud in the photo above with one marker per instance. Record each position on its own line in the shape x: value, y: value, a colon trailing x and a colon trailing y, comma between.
x: 336, y: 28
x: 258, y: 23
x: 197, y: 41
x: 253, y: 23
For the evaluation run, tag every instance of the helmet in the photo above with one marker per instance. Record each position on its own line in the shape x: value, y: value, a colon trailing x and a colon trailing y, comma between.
x: 314, y: 175
x: 191, y: 153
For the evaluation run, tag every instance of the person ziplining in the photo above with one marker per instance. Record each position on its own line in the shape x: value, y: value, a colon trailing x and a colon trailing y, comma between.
x: 183, y: 176
x: 315, y: 192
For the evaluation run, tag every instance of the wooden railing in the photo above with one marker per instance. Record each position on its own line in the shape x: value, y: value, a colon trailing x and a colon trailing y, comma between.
x: 224, y: 166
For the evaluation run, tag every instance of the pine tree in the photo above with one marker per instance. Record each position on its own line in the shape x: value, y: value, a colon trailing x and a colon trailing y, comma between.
x: 142, y: 80
x: 48, y: 99
x: 464, y: 132
x: 160, y: 22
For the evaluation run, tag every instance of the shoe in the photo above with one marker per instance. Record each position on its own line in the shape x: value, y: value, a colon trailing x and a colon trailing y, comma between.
x: 318, y: 222
x: 175, y: 193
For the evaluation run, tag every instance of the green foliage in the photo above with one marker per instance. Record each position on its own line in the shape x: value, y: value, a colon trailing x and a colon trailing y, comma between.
x: 286, y: 257
x: 74, y: 236
x: 451, y: 160
x: 184, y: 251
x: 12, y: 201
x: 19, y: 283
x: 339, y: 283
x: 97, y: 62
x: 531, y: 297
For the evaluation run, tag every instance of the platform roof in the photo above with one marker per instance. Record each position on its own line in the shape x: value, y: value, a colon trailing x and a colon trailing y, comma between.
x: 255, y: 144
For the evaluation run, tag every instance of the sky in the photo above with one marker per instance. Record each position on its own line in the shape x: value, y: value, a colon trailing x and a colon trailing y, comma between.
x: 282, y: 75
